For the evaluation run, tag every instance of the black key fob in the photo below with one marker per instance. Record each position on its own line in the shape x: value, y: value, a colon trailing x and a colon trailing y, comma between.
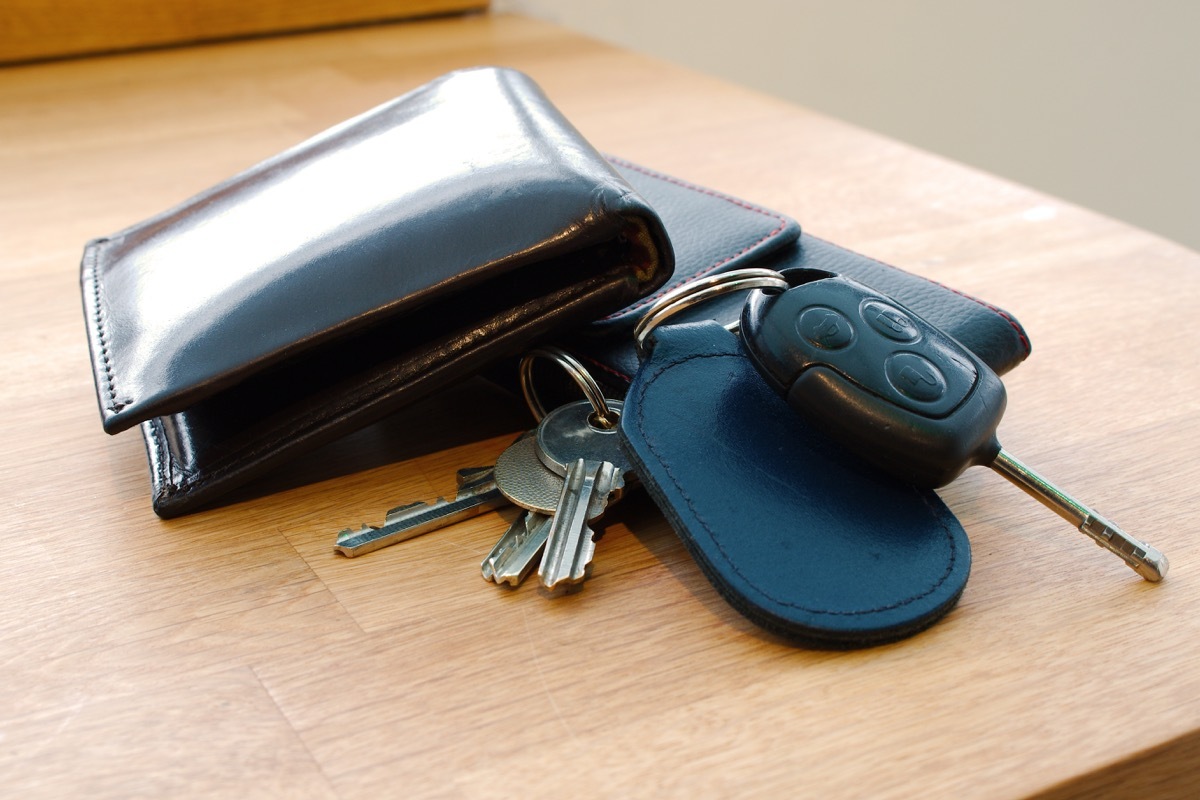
x: 870, y: 373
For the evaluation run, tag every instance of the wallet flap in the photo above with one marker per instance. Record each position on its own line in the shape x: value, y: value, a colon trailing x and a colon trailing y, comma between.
x: 448, y: 189
x: 711, y: 232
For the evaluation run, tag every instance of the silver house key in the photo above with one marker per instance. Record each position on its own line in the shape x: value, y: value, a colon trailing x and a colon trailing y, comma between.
x: 515, y: 554
x: 519, y: 478
x: 556, y: 513
x: 477, y: 493
x: 574, y: 442
x: 528, y: 483
x: 570, y: 540
x: 531, y: 486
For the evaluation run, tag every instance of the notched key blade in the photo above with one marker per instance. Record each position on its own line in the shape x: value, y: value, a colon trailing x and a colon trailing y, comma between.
x: 569, y: 544
x: 400, y: 513
x: 347, y: 536
x: 473, y: 478
x: 476, y: 495
x: 610, y: 485
x: 513, y: 557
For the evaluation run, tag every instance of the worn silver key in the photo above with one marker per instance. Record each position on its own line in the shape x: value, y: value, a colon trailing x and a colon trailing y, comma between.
x: 515, y: 554
x: 477, y: 493
x: 528, y: 483
x: 570, y: 540
x: 588, y: 457
x: 567, y: 434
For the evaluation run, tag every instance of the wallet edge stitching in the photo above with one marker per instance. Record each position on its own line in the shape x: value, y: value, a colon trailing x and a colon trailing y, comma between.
x: 1019, y: 329
x: 780, y: 228
x: 99, y: 319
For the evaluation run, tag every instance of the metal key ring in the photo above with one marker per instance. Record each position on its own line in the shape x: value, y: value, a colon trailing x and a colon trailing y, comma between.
x: 606, y: 417
x: 696, y: 292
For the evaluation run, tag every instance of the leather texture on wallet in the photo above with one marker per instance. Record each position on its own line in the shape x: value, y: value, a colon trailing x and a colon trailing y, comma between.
x: 363, y: 269
x: 714, y: 232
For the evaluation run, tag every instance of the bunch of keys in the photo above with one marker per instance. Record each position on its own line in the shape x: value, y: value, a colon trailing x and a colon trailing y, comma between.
x: 564, y: 473
x: 886, y: 385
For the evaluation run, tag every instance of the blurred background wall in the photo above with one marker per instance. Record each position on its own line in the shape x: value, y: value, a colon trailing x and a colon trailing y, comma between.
x: 1095, y: 101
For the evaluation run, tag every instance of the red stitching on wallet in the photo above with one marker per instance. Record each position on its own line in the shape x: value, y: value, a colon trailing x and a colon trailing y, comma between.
x: 783, y: 221
x: 1012, y: 322
x: 611, y: 370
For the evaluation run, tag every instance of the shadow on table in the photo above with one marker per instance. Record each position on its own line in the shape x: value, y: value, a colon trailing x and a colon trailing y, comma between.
x: 472, y: 411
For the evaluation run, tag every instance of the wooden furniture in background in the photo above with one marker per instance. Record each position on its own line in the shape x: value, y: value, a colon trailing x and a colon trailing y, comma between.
x: 39, y: 29
x: 232, y: 653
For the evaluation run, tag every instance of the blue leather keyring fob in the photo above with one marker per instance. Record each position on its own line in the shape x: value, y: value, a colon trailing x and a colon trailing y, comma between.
x: 800, y: 537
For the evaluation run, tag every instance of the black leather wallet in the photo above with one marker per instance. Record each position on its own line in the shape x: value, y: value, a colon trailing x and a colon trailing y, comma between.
x: 401, y: 251
x: 367, y: 267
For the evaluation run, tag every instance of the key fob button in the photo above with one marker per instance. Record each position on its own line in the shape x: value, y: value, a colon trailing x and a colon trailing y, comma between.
x: 889, y: 321
x: 915, y: 377
x: 825, y: 328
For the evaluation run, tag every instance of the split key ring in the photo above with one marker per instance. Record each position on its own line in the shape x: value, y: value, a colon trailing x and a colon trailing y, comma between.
x: 698, y: 291
x: 605, y: 417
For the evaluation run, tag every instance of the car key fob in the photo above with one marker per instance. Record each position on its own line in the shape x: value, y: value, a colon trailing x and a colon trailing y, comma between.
x: 885, y: 383
x: 901, y: 394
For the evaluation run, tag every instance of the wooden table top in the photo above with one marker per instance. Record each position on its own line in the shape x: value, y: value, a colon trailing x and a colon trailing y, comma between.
x: 233, y: 653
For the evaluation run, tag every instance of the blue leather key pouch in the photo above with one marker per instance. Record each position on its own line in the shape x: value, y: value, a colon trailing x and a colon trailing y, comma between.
x: 797, y: 535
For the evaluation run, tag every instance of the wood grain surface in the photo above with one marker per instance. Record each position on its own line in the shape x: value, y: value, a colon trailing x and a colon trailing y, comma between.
x: 232, y: 653
x: 43, y: 29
